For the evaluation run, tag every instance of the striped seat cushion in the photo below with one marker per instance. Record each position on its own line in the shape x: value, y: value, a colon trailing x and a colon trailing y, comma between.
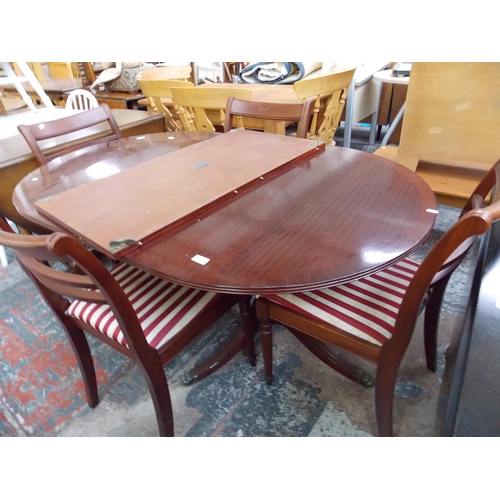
x: 163, y: 308
x: 366, y: 308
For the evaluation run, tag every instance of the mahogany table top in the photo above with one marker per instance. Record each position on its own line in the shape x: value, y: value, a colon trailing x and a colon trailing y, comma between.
x: 328, y: 219
x: 159, y: 194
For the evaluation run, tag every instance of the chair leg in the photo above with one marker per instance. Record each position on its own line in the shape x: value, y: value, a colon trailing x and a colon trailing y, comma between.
x: 387, y: 371
x: 266, y: 334
x: 335, y: 361
x: 431, y: 322
x: 83, y: 355
x: 158, y: 387
x: 385, y: 383
x: 249, y: 327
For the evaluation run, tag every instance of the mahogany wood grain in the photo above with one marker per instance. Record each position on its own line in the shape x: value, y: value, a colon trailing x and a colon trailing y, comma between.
x: 335, y: 217
x: 300, y: 112
x: 159, y: 194
x: 329, y: 219
x: 426, y: 289
x: 332, y: 218
x: 36, y: 133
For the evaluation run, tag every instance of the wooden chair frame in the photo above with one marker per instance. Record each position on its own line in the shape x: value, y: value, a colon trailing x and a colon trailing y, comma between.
x: 96, y: 284
x: 300, y: 113
x: 425, y: 290
x: 159, y: 90
x: 191, y: 103
x: 333, y: 88
x: 55, y: 128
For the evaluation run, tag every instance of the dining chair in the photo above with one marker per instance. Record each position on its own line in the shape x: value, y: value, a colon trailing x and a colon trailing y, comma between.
x: 62, y: 126
x: 192, y: 105
x: 81, y: 99
x: 300, y: 113
x: 374, y: 317
x: 147, y: 319
x: 159, y: 93
x: 162, y: 73
x: 330, y: 94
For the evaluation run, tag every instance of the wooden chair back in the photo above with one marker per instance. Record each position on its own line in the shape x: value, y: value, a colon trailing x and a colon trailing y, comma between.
x: 94, y: 284
x: 192, y: 103
x: 181, y: 73
x: 81, y: 99
x: 158, y: 92
x: 300, y: 113
x: 330, y: 94
x: 425, y: 290
x: 42, y: 131
x: 80, y: 275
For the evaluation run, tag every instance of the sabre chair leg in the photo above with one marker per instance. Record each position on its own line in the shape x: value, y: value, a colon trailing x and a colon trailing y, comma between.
x: 83, y: 355
x: 160, y: 394
x: 431, y: 323
x: 385, y: 382
x: 266, y: 335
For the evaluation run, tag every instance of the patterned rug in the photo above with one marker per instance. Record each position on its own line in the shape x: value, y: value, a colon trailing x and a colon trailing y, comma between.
x: 41, y: 392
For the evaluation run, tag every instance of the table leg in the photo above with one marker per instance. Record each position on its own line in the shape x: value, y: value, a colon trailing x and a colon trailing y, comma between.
x: 394, y: 124
x: 244, y: 339
x: 349, y: 113
x: 333, y: 360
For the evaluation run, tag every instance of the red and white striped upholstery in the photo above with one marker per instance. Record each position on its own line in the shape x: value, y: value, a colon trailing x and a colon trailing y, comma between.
x: 163, y: 308
x: 366, y: 308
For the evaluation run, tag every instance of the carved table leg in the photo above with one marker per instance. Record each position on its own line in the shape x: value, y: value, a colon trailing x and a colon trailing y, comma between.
x: 244, y: 339
x: 333, y: 360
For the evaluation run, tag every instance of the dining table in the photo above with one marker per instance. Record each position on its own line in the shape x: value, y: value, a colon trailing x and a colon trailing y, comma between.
x: 329, y: 217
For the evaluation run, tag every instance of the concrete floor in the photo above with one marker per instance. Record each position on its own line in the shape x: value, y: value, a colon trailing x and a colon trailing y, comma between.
x: 307, y: 400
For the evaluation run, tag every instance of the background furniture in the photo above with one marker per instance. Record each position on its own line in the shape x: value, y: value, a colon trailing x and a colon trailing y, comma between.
x: 374, y: 317
x: 333, y: 88
x: 447, y: 104
x: 37, y: 132
x: 362, y: 99
x: 191, y: 103
x: 300, y: 113
x: 55, y: 90
x: 159, y: 98
x: 280, y: 94
x: 17, y: 83
x: 17, y: 159
x: 119, y: 100
x: 11, y: 104
x: 387, y: 76
x: 161, y: 73
x: 81, y: 99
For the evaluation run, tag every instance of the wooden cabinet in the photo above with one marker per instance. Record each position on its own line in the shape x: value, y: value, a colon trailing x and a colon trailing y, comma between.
x: 451, y: 126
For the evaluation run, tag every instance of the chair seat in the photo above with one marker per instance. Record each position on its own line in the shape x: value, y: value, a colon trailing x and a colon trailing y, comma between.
x: 366, y: 308
x: 163, y: 308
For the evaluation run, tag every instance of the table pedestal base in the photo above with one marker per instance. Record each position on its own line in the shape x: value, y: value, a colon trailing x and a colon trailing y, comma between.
x: 333, y: 360
x: 242, y: 340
